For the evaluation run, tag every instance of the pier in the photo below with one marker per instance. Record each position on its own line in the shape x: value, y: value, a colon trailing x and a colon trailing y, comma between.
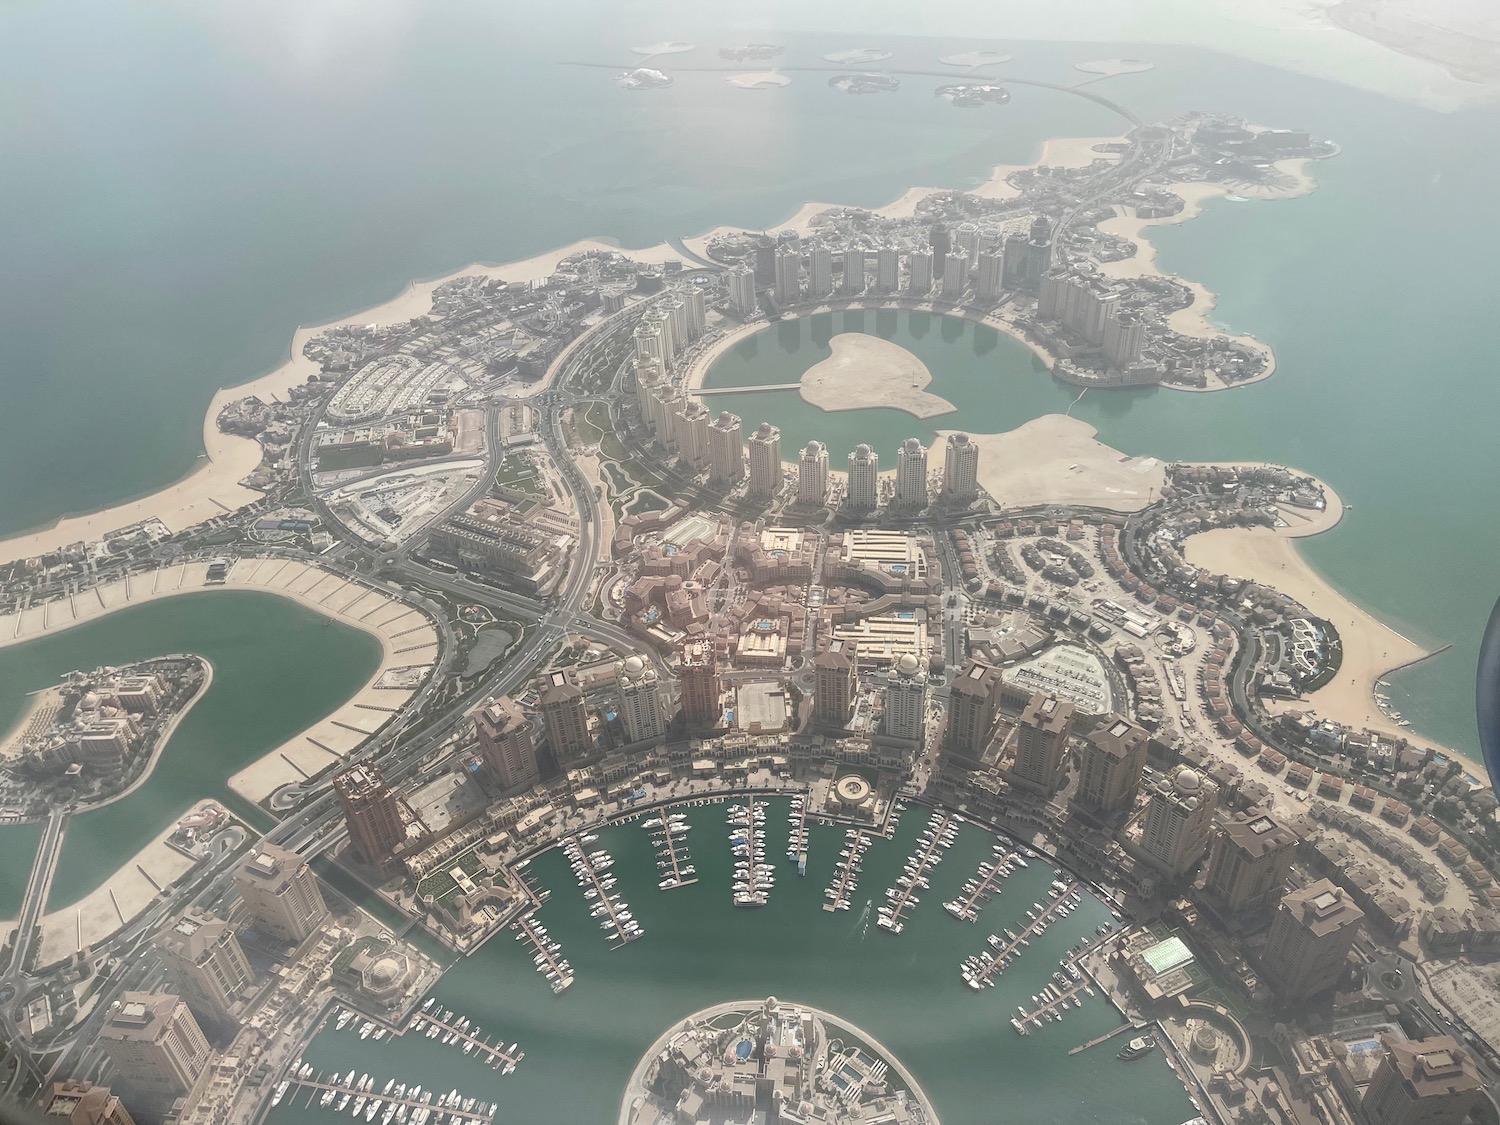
x: 1108, y: 1035
x: 982, y: 885
x: 753, y: 879
x: 408, y: 1109
x: 936, y: 839
x: 590, y: 867
x: 1060, y: 994
x: 501, y: 1059
x: 980, y: 970
x: 546, y: 953
x: 846, y: 874
x: 796, y: 844
x: 668, y: 833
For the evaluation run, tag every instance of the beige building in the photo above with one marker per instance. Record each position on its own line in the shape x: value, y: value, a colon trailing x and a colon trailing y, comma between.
x: 1042, y: 742
x: 1248, y: 862
x: 206, y: 963
x: 566, y: 719
x: 158, y: 1051
x: 973, y: 703
x: 698, y: 669
x: 83, y: 1103
x: 726, y: 449
x: 911, y: 475
x: 1179, y: 819
x: 1310, y: 939
x: 281, y: 892
x: 507, y: 743
x: 835, y: 682
x: 905, y: 700
x: 812, y: 475
x: 641, y: 711
x: 1113, y: 759
x: 372, y: 811
x: 863, y: 493
x: 960, y: 469
x: 765, y: 461
x: 1422, y: 1082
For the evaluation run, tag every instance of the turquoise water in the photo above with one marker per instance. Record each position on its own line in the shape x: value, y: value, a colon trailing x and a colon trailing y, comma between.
x: 699, y: 950
x: 278, y: 668
x: 196, y: 183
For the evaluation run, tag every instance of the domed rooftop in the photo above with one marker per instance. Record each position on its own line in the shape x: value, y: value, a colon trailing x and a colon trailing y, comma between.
x: 862, y: 450
x: 815, y: 447
x: 907, y: 664
x: 911, y: 445
x: 634, y: 665
x: 960, y: 439
x: 384, y: 971
x: 1188, y: 780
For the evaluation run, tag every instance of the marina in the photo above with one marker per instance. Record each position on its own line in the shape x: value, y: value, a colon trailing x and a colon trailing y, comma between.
x: 846, y: 873
x: 984, y: 884
x: 796, y: 845
x: 395, y: 1104
x: 546, y: 953
x: 753, y: 876
x: 669, y: 835
x: 458, y: 1031
x: 591, y: 868
x: 1064, y: 991
x: 900, y: 899
x: 980, y: 970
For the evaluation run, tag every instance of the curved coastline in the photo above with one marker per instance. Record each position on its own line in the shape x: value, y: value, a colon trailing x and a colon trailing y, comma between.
x: 405, y: 633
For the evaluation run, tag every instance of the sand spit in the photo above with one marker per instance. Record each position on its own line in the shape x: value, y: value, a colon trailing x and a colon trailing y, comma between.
x: 868, y: 371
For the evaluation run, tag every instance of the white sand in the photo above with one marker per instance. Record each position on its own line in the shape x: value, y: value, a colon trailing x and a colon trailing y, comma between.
x: 407, y: 638
x: 1270, y: 556
x: 213, y: 488
x: 1055, y: 459
x: 867, y: 371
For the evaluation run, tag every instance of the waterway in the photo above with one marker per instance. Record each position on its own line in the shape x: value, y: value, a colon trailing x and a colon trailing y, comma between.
x: 698, y: 949
x: 278, y: 668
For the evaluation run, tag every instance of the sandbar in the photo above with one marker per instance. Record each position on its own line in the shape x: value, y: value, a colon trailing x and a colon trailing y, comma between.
x: 866, y: 371
x: 213, y: 487
x: 1056, y: 459
x: 407, y: 637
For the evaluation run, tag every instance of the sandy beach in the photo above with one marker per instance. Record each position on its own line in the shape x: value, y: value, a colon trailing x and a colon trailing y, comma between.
x: 1055, y: 459
x: 1371, y: 648
x: 407, y: 638
x: 866, y: 369
x: 213, y: 487
x: 1194, y: 320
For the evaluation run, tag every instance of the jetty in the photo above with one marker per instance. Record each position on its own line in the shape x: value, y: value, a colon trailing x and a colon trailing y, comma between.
x: 591, y: 869
x: 846, y: 872
x: 546, y: 953
x: 459, y: 1032
x: 411, y: 1108
x: 753, y: 877
x: 983, y: 885
x: 1108, y: 1035
x: 981, y: 969
x: 1060, y: 994
x: 669, y: 834
x: 797, y: 836
x: 933, y: 844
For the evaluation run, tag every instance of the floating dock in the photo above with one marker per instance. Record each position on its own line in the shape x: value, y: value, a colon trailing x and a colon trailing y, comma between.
x: 546, y: 953
x: 1061, y: 993
x: 982, y: 886
x: 846, y: 872
x: 901, y: 899
x: 981, y: 969
x: 591, y: 869
x: 457, y: 1031
x: 669, y: 834
x: 753, y: 878
x: 416, y: 1108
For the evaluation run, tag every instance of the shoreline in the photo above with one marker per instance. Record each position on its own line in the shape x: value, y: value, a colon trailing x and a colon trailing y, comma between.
x: 212, y: 487
x: 406, y: 636
x: 1372, y: 649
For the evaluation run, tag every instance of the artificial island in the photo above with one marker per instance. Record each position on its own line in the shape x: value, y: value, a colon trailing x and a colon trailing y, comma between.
x: 600, y: 601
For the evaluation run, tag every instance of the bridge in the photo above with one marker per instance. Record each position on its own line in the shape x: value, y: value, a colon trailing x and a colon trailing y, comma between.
x: 704, y: 391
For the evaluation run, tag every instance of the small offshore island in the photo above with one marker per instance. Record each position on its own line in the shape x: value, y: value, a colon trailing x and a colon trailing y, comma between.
x: 605, y: 608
